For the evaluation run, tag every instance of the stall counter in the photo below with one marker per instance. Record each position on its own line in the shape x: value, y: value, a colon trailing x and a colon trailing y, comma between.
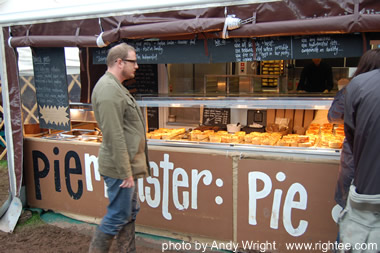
x: 197, y: 193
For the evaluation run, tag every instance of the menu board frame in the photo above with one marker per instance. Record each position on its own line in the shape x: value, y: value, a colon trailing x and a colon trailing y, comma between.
x: 216, y: 116
x: 50, y: 79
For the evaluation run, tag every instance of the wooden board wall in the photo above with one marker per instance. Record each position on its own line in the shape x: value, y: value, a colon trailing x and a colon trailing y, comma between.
x: 298, y: 117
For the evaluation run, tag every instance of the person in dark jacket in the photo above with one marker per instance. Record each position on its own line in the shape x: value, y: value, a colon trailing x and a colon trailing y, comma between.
x: 316, y: 77
x: 359, y: 223
x: 362, y: 114
x: 346, y: 168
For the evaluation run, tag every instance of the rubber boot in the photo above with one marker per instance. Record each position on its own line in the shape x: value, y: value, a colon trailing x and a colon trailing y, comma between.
x: 125, y: 239
x: 101, y: 242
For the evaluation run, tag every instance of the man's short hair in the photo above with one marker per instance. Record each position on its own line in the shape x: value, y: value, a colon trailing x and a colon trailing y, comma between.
x: 119, y: 51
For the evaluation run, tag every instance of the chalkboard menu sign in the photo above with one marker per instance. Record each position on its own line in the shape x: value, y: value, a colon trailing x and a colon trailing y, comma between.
x: 152, y: 113
x: 244, y: 49
x: 99, y: 55
x: 171, y: 51
x: 50, y: 79
x: 216, y: 116
x: 163, y: 51
x: 327, y: 46
x: 146, y: 80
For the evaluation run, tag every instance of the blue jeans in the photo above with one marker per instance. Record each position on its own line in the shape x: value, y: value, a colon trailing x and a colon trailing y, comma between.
x: 122, y: 208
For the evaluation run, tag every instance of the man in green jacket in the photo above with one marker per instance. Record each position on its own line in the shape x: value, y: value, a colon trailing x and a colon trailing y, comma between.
x: 123, y: 153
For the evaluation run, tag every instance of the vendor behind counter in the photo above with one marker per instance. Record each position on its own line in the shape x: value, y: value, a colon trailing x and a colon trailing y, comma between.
x: 316, y: 77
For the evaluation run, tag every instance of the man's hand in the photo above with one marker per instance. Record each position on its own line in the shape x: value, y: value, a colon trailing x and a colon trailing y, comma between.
x: 128, y: 183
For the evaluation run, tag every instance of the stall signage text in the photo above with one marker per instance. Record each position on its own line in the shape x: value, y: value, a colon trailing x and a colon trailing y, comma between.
x: 185, y: 182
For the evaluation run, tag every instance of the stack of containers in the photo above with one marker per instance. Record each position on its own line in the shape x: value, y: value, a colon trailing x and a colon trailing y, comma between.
x: 272, y: 67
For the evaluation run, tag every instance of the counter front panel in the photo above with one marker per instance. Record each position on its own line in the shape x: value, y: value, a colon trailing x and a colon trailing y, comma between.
x: 218, y: 194
x: 286, y: 201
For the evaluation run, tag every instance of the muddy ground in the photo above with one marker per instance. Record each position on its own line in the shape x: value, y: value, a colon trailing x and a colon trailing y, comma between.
x: 32, y: 234
x: 44, y: 237
x: 38, y: 236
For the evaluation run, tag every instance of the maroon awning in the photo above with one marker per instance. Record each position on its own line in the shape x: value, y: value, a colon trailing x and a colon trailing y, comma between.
x: 292, y: 17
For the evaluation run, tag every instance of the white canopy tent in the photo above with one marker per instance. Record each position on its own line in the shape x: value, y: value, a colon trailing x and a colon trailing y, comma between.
x: 25, y: 63
x: 70, y: 23
x: 23, y: 11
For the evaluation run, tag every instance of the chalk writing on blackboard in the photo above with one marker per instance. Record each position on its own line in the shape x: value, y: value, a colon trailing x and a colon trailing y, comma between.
x: 150, y: 51
x: 220, y: 43
x: 162, y: 51
x: 243, y: 50
x: 170, y: 51
x: 327, y: 46
x: 246, y: 49
x: 222, y: 50
x: 50, y: 79
x: 100, y: 56
x: 216, y: 116
x: 152, y: 115
x: 145, y: 81
x: 320, y: 45
x: 273, y: 48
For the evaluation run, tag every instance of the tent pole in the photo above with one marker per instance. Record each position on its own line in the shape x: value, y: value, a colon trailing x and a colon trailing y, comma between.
x: 13, y: 206
x: 7, y: 116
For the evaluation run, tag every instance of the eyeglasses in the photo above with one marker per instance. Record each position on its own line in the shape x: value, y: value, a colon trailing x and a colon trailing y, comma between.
x: 131, y: 61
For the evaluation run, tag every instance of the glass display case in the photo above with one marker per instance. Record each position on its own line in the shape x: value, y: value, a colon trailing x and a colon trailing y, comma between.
x: 271, y: 125
x: 300, y: 113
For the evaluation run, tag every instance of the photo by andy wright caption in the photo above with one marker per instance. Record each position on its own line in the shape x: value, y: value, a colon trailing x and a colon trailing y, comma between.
x: 230, y: 246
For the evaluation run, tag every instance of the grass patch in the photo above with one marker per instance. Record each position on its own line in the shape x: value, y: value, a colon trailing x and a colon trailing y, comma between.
x: 33, y: 221
x: 3, y: 165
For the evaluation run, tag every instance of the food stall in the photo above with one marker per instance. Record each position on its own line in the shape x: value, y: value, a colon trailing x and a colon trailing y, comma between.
x: 271, y: 181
